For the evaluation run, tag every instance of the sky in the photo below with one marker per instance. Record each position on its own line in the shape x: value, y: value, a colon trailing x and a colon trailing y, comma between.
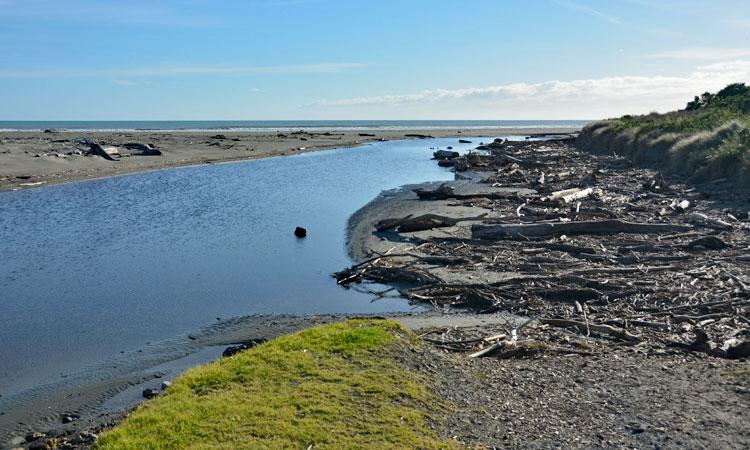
x: 362, y: 59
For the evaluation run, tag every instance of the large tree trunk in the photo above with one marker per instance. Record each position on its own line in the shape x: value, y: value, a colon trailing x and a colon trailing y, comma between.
x: 544, y: 230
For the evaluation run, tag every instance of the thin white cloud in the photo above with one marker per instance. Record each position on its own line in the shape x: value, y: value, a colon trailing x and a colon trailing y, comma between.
x: 703, y: 54
x: 180, y: 70
x: 588, y: 10
x: 598, y: 96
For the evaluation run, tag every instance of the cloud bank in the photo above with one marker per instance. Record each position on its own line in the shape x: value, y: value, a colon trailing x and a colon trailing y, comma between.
x: 584, y: 98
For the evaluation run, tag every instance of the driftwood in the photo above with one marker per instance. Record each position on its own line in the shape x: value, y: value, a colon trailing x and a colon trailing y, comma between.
x: 443, y: 192
x: 144, y: 149
x: 98, y: 150
x: 632, y: 279
x: 544, y: 230
x: 423, y: 222
x: 570, y: 195
x: 583, y: 326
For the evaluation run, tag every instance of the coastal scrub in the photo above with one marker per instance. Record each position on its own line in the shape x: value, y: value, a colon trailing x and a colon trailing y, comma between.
x: 708, y: 140
x: 333, y: 386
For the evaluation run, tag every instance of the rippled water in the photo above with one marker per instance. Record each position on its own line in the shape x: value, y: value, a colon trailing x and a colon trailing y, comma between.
x: 91, y: 268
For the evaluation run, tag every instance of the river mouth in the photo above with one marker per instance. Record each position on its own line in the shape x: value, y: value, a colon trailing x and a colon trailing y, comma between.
x: 97, y: 269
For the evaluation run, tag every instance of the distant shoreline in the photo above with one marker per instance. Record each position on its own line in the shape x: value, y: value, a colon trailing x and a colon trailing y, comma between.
x: 35, y: 159
x: 148, y: 126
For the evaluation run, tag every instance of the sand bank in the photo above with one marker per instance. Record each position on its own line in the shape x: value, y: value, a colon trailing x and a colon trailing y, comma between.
x: 31, y: 159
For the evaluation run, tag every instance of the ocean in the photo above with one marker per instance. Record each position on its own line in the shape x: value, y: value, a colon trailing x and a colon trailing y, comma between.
x: 280, y: 125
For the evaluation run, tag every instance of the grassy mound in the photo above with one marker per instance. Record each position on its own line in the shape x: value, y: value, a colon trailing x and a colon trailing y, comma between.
x: 709, y: 139
x: 333, y: 386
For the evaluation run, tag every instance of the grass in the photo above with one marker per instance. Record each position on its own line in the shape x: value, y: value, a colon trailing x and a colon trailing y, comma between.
x: 708, y: 140
x: 333, y: 386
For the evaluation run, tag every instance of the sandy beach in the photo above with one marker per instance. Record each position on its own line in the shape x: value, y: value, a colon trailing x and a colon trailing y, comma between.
x: 32, y: 159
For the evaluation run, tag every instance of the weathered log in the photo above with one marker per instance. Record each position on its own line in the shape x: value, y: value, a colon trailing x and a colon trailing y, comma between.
x: 568, y: 295
x: 487, y: 350
x: 711, y: 222
x: 145, y: 149
x: 545, y: 230
x: 443, y: 192
x: 388, y: 224
x: 570, y: 195
x: 582, y: 326
x: 423, y: 222
x: 98, y: 150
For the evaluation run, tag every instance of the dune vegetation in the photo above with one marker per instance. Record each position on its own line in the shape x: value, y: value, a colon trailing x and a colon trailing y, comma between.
x: 707, y: 140
x: 333, y: 386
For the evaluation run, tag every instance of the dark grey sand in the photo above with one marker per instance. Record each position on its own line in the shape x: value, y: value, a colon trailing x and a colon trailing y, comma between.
x: 29, y: 159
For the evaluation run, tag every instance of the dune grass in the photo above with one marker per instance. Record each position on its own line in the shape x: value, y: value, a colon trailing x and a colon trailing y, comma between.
x: 333, y: 386
x: 708, y: 140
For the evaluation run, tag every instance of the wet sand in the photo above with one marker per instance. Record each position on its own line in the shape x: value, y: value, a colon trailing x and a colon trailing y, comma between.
x: 32, y: 159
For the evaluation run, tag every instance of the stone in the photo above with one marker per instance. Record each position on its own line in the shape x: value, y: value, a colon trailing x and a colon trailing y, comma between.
x: 300, y: 232
x: 67, y: 418
x: 31, y: 437
x: 234, y: 349
x: 445, y: 154
x: 165, y: 385
x: 150, y: 393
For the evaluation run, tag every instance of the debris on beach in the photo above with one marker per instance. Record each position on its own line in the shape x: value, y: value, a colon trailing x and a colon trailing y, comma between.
x: 597, y: 253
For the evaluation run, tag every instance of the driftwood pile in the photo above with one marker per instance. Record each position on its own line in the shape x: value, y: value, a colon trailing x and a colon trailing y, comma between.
x: 599, y: 254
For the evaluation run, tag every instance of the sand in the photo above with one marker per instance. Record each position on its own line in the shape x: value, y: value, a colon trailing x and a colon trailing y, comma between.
x: 33, y: 159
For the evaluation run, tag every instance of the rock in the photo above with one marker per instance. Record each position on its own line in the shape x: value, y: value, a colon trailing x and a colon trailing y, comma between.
x: 39, y: 445
x: 67, y: 418
x: 31, y: 437
x: 445, y: 154
x: 150, y: 393
x: 234, y: 349
x: 450, y: 147
x: 218, y: 136
x: 464, y: 141
x: 165, y: 385
x: 300, y: 232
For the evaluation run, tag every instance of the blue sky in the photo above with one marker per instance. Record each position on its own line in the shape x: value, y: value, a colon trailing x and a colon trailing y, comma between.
x: 358, y: 59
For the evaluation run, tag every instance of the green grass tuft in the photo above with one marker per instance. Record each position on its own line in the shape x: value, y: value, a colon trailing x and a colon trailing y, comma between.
x: 333, y: 386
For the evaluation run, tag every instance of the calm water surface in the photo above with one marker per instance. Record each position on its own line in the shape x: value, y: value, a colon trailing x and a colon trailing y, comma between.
x: 91, y: 268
